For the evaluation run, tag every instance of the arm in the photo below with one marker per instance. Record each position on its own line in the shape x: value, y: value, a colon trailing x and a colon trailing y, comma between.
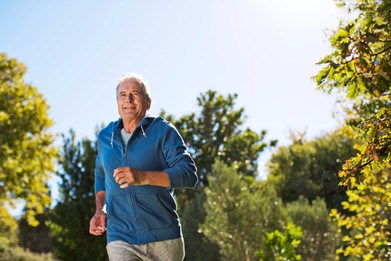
x: 180, y: 173
x: 98, y: 221
x: 181, y: 170
x: 127, y: 176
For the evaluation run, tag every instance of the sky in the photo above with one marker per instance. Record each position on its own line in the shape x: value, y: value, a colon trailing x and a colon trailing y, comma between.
x: 265, y: 51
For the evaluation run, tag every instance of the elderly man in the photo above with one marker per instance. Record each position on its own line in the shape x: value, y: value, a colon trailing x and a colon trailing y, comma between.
x: 141, y: 159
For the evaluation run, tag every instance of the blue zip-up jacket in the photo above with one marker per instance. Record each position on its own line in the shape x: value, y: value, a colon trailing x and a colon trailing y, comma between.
x: 143, y: 214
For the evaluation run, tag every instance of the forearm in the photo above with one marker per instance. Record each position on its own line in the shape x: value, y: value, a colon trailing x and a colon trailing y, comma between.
x: 100, y: 200
x: 126, y: 176
x: 156, y: 178
x: 98, y: 221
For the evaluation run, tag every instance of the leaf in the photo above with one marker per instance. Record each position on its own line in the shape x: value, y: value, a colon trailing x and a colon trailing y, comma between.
x: 352, y: 91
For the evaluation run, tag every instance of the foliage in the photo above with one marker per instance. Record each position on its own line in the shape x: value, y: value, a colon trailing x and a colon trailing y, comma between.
x: 12, y: 253
x: 310, y: 169
x: 239, y: 212
x: 215, y: 133
x: 36, y: 239
x: 195, y: 241
x: 70, y: 218
x: 282, y: 246
x: 360, y: 68
x: 26, y: 154
x: 370, y: 228
x: 8, y: 227
x: 320, y: 238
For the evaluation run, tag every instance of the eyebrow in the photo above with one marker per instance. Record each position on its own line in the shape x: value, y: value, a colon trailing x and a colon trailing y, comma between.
x: 139, y: 92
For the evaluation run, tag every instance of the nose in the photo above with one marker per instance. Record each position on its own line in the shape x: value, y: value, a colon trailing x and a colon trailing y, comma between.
x: 129, y: 98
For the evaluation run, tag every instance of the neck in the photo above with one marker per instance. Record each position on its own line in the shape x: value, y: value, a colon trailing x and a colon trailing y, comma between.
x: 130, y: 125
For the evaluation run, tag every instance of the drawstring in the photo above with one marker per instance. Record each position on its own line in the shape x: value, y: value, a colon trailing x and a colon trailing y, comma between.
x: 112, y: 136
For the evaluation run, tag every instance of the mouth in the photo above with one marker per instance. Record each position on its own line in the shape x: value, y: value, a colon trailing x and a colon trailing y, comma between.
x: 129, y: 107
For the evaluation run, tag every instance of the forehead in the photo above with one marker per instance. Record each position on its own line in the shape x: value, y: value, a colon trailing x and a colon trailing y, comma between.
x: 129, y: 85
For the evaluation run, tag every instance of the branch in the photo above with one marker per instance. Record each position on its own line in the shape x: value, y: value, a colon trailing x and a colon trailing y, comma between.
x: 385, y: 50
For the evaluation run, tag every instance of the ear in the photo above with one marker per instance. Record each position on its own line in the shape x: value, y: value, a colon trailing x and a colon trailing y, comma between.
x: 149, y: 101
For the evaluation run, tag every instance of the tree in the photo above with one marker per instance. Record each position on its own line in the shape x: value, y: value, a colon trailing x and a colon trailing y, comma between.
x: 35, y: 239
x: 69, y: 220
x: 370, y: 229
x: 8, y: 228
x: 310, y: 169
x: 196, y: 243
x: 27, y: 153
x: 246, y: 217
x: 320, y: 239
x: 360, y: 68
x: 239, y: 213
x: 215, y: 133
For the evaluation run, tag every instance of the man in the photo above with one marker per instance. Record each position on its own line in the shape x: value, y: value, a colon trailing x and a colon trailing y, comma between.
x: 141, y: 159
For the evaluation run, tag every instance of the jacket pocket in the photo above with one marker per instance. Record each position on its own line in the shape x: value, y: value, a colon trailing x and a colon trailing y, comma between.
x: 155, y: 212
x: 119, y: 213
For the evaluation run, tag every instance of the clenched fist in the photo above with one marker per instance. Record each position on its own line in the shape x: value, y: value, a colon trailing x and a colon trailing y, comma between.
x: 126, y: 176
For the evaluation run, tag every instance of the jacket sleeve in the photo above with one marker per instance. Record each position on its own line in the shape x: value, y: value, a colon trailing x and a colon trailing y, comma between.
x: 182, y: 169
x: 99, y: 176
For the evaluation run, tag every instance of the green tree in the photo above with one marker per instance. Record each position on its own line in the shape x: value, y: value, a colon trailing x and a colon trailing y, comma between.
x: 359, y: 67
x: 195, y: 241
x: 320, y: 239
x: 27, y: 153
x: 217, y: 133
x: 69, y: 220
x: 310, y: 169
x: 35, y: 239
x: 239, y: 213
x: 214, y: 133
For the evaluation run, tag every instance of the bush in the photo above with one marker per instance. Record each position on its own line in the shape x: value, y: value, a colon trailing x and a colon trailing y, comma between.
x: 15, y: 253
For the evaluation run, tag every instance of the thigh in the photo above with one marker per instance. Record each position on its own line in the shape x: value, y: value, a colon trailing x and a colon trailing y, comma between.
x: 168, y: 250
x: 122, y: 251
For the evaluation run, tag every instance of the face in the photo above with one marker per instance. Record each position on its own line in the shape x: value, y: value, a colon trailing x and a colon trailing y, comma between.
x: 132, y: 105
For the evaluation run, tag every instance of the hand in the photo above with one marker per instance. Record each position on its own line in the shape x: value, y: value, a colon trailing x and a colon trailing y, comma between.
x: 98, y: 223
x: 127, y: 176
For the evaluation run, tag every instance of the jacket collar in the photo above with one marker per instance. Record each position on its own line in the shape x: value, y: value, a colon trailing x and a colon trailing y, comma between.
x: 118, y: 125
x: 144, y: 122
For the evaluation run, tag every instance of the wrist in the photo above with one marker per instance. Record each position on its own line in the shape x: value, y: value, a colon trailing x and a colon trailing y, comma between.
x: 142, y: 177
x: 101, y: 211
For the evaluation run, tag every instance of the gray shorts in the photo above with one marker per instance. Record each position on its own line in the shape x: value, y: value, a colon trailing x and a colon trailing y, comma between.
x: 168, y: 250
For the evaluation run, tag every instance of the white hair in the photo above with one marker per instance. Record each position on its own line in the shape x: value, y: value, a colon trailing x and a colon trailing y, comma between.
x: 138, y: 79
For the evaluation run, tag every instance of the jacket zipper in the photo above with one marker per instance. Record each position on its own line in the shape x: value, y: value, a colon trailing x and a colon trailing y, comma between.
x: 123, y: 146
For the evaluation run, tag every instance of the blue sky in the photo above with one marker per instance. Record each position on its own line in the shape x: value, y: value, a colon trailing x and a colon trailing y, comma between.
x: 263, y: 50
